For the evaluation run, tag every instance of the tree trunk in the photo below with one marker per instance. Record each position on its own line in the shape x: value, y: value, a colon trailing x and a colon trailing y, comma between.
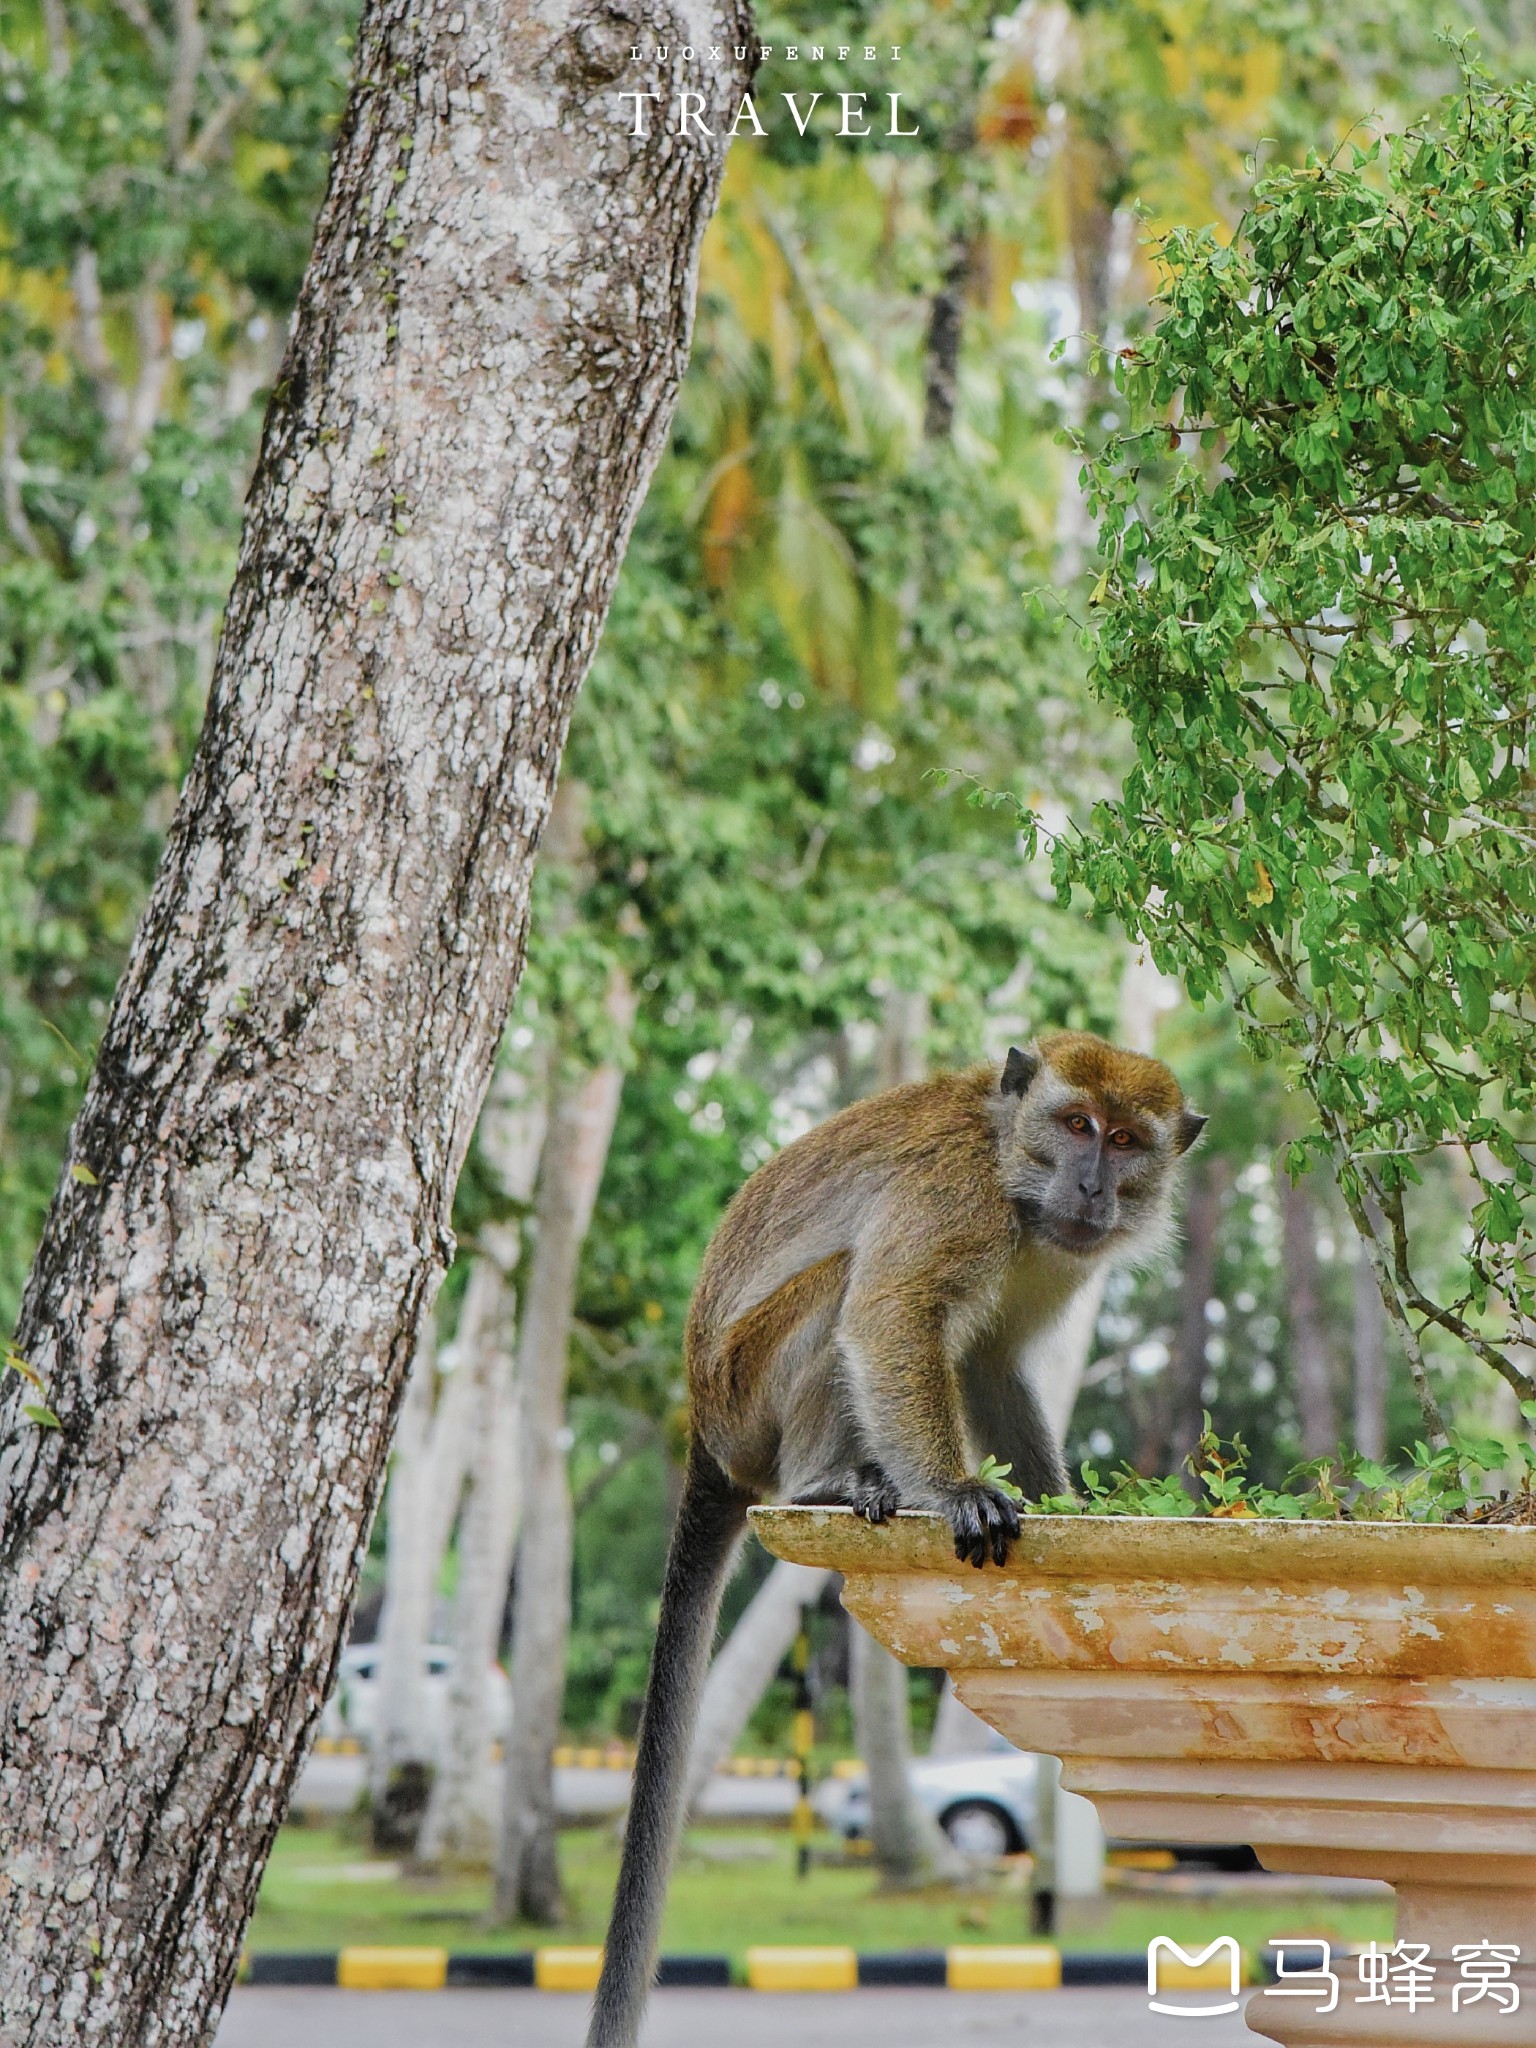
x: 1370, y: 1362
x: 427, y: 1473
x: 458, y: 1817
x: 1180, y: 1414
x: 956, y: 1730
x: 575, y: 1149
x: 399, y: 1724
x: 909, y: 1846
x: 457, y: 1823
x: 1311, y: 1368
x: 255, y: 1217
x: 908, y: 1843
x: 941, y: 346
x: 745, y: 1668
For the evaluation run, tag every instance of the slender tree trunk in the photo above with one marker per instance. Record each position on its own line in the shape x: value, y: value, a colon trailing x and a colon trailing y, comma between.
x: 745, y: 1668
x: 399, y: 1717
x: 457, y: 1819
x: 255, y: 1214
x: 575, y: 1150
x: 399, y: 1756
x: 1311, y: 1367
x: 956, y: 1730
x: 908, y: 1843
x: 427, y: 1473
x: 458, y: 1823
x: 1370, y: 1362
x: 1180, y: 1414
x: 941, y: 349
x: 910, y: 1847
x: 424, y: 1483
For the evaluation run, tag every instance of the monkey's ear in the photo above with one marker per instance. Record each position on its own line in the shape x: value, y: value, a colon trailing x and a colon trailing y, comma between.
x: 1019, y: 1069
x: 1190, y: 1127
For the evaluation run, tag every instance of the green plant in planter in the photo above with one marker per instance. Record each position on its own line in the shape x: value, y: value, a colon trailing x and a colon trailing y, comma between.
x: 1316, y: 610
x: 1453, y: 1482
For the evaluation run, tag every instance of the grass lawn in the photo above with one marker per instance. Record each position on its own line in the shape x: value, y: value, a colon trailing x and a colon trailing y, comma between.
x: 733, y: 1889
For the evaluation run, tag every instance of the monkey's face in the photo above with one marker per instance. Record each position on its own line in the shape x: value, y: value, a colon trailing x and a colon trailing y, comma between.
x: 1090, y: 1172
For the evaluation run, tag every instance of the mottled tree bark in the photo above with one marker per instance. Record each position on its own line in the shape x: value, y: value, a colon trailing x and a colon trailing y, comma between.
x: 483, y: 367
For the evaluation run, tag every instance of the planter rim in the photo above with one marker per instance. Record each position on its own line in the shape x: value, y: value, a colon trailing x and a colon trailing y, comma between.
x: 1164, y: 1547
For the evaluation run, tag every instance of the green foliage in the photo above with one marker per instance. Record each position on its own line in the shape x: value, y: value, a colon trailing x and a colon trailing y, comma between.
x: 150, y: 251
x: 1453, y: 1482
x: 1317, y: 619
x: 990, y: 1473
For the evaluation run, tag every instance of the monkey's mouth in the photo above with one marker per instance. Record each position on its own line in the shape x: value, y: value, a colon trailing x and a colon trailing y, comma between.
x: 1076, y: 1233
x: 1067, y: 1233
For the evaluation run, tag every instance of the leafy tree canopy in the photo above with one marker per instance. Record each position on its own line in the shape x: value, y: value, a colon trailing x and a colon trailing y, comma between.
x: 1317, y: 618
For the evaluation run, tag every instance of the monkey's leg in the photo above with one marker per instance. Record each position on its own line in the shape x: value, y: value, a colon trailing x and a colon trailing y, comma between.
x: 1006, y: 1422
x: 894, y: 1337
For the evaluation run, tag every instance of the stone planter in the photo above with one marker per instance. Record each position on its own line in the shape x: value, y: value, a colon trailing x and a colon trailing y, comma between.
x: 1353, y: 1699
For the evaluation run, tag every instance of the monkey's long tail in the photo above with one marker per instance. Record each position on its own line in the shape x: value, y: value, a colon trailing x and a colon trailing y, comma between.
x: 711, y: 1517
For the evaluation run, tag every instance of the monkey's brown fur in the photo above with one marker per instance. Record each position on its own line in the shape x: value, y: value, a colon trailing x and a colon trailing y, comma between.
x: 858, y: 1335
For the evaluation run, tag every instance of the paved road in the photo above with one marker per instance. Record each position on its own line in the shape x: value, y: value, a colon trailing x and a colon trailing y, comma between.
x: 331, y: 1784
x: 279, y: 2018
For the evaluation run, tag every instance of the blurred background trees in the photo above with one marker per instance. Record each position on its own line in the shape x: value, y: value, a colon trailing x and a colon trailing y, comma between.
x: 852, y: 600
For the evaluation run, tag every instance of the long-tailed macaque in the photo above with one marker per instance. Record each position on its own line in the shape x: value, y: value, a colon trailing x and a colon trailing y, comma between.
x: 855, y: 1339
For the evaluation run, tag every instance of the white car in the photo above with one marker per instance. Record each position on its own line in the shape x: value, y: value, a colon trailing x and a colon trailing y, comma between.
x: 984, y: 1803
x: 353, y: 1707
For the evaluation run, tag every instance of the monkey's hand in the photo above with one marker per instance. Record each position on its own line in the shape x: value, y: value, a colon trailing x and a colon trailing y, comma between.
x: 985, y: 1522
x: 873, y: 1496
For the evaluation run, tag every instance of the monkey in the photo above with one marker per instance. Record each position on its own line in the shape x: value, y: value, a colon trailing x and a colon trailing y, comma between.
x: 855, y: 1339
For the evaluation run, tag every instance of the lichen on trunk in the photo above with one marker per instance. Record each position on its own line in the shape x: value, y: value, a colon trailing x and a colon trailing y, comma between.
x: 482, y: 371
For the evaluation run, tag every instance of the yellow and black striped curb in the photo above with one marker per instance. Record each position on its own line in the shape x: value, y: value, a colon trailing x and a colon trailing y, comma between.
x: 966, y: 1968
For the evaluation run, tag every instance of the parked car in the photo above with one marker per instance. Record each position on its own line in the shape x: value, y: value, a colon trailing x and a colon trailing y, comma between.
x: 353, y: 1707
x: 985, y: 1803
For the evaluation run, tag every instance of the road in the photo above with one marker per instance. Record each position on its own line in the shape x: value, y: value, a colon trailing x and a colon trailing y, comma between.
x: 703, y: 2019
x: 331, y: 1784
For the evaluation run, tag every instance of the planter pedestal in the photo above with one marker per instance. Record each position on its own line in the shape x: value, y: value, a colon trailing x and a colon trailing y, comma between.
x: 1353, y: 1699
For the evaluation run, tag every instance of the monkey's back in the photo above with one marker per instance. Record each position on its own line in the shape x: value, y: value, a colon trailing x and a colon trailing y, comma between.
x: 780, y: 1253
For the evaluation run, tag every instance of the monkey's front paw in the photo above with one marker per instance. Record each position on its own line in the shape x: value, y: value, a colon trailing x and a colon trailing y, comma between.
x: 873, y: 1496
x: 985, y: 1523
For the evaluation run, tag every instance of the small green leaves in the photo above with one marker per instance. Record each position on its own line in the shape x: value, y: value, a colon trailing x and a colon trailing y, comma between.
x: 84, y: 1175
x: 35, y: 1411
x: 1454, y: 1483
x: 13, y: 1359
x: 990, y: 1473
x: 1326, y: 636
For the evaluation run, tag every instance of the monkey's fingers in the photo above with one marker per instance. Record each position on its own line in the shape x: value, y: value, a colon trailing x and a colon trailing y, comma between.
x: 875, y: 1498
x: 1005, y: 1528
x: 971, y: 1519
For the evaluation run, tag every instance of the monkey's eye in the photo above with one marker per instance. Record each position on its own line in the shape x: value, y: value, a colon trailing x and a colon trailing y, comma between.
x: 1125, y: 1140
x: 1080, y: 1125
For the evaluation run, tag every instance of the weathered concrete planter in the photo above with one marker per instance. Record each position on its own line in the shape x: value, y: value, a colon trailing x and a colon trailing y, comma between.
x: 1353, y: 1699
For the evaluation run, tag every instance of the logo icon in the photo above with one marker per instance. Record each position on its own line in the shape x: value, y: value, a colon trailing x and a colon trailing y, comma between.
x: 1186, y: 1972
